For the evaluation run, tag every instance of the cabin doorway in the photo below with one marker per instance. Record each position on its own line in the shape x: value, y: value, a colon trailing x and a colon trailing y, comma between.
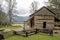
x: 44, y: 24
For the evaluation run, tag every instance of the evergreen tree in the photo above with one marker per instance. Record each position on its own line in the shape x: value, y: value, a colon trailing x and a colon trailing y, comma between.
x: 54, y: 5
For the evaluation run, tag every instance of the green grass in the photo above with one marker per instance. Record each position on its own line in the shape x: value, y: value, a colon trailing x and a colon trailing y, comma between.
x: 10, y: 36
x: 10, y: 27
x: 35, y: 37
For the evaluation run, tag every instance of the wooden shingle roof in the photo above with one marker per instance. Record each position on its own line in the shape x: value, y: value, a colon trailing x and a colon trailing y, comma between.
x: 43, y: 8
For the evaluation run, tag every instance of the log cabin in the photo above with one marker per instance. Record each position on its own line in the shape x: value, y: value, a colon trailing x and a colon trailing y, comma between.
x: 42, y: 19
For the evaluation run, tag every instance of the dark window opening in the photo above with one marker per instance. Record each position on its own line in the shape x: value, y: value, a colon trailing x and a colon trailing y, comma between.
x: 44, y: 24
x: 32, y: 22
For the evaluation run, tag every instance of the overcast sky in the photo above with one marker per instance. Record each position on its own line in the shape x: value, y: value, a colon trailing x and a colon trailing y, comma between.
x: 23, y: 6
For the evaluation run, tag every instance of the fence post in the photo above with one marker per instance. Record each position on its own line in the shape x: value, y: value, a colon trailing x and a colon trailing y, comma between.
x: 51, y: 32
x: 1, y: 34
x: 15, y: 33
x: 26, y: 34
x: 36, y: 31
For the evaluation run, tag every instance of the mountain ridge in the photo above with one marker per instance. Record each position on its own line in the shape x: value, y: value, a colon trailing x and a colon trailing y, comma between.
x: 18, y: 19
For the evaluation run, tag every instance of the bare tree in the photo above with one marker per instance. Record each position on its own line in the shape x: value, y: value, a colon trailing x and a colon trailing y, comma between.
x: 1, y: 5
x: 11, y: 6
x: 34, y: 6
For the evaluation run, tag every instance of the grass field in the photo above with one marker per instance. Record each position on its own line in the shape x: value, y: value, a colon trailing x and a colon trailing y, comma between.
x: 39, y: 36
x: 35, y: 37
x: 10, y: 27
